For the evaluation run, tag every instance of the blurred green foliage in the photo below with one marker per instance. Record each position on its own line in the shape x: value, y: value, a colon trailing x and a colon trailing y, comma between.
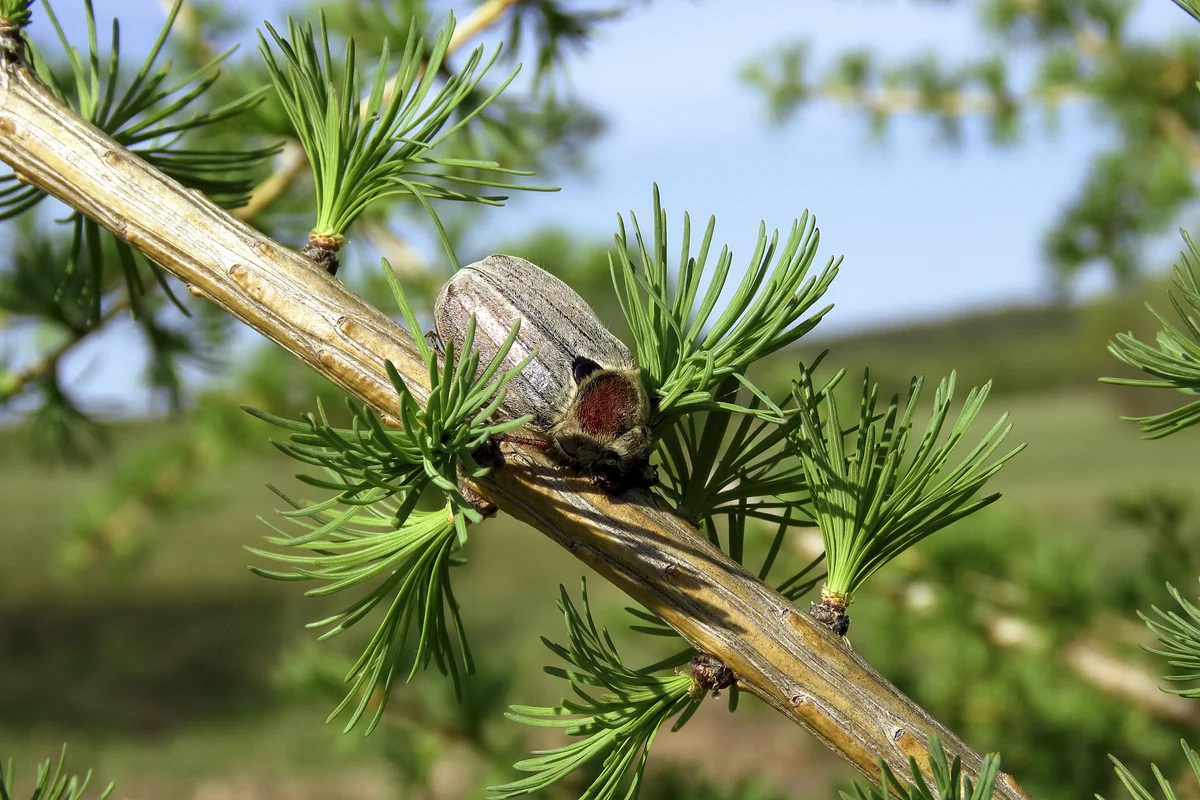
x: 1043, y: 55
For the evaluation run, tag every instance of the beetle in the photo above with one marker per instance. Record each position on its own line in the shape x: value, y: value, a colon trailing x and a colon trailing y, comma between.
x: 582, y: 385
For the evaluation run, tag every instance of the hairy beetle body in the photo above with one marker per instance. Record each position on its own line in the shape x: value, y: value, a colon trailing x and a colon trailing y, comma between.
x: 582, y: 385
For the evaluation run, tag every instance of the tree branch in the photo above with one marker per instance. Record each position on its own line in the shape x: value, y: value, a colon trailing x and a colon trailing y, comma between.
x: 890, y: 102
x: 1175, y: 79
x: 967, y: 103
x: 289, y: 165
x: 16, y: 383
x: 1109, y: 674
x: 778, y: 653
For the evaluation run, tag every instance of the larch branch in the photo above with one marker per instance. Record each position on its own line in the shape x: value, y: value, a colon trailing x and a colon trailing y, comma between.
x: 777, y: 652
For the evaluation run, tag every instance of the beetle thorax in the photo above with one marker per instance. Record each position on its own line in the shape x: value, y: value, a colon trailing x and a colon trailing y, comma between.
x: 607, y: 421
x: 607, y: 404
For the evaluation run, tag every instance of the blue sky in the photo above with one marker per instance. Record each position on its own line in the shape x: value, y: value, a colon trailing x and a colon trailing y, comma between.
x: 925, y: 231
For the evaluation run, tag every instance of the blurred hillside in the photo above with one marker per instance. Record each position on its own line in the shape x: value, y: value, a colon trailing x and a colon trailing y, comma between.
x: 1021, y: 349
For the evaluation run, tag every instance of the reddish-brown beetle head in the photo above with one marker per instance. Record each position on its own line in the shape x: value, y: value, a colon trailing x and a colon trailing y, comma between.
x: 608, y: 404
x: 605, y: 430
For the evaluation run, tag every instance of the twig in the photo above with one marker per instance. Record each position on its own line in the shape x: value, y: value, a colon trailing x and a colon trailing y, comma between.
x: 1174, y: 80
x: 889, y: 102
x: 482, y: 18
x: 48, y: 362
x: 1103, y: 671
x: 406, y: 261
x: 122, y: 523
x: 187, y: 22
x: 778, y: 654
x: 1126, y: 681
x: 1180, y: 133
x: 910, y: 101
x: 292, y: 161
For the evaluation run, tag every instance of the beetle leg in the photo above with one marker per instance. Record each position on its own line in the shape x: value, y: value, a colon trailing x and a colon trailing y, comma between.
x: 541, y: 444
x: 436, y: 343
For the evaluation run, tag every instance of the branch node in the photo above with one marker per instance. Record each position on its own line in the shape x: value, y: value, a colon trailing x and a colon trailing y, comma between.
x: 323, y: 250
x: 831, y: 612
x: 477, y: 501
x: 709, y: 674
x: 909, y: 745
x: 327, y: 359
x: 487, y: 455
x: 12, y: 43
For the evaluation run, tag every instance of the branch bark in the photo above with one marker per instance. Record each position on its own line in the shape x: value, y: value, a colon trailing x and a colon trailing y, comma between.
x: 778, y: 653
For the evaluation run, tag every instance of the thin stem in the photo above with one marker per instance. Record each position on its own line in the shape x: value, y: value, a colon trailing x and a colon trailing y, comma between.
x: 48, y: 362
x: 187, y: 23
x: 890, y: 101
x: 1086, y: 658
x: 482, y: 18
x: 291, y: 163
x: 893, y: 101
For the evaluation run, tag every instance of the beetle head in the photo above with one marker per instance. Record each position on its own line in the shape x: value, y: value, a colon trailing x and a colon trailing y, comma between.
x: 606, y: 430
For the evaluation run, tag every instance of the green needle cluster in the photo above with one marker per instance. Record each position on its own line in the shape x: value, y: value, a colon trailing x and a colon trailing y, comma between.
x: 373, y: 532
x: 888, y: 492
x: 1137, y: 791
x: 15, y: 13
x: 948, y: 781
x: 1179, y: 635
x: 51, y: 784
x: 1175, y: 362
x: 364, y: 151
x: 616, y: 711
x: 155, y: 115
x: 683, y: 346
x: 725, y: 462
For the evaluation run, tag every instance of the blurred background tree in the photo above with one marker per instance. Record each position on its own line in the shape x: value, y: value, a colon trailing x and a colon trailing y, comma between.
x: 1045, y: 54
x: 1015, y: 632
